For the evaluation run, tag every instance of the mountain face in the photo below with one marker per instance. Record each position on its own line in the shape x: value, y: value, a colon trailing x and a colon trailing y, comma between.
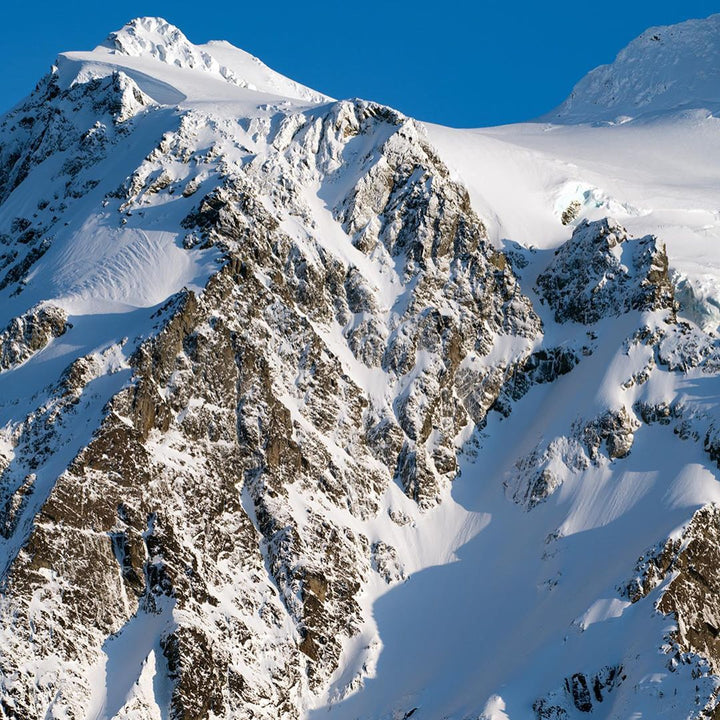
x: 311, y: 410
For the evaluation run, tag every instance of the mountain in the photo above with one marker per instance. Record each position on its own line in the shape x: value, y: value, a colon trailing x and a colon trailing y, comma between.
x: 672, y: 67
x: 310, y: 410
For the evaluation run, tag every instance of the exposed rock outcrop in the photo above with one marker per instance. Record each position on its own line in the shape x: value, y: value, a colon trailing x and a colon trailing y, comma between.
x: 614, y: 429
x: 30, y: 333
x: 691, y: 563
x: 580, y: 692
x: 600, y: 272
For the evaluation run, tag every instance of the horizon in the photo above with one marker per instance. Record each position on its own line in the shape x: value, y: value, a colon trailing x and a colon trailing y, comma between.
x: 485, y: 65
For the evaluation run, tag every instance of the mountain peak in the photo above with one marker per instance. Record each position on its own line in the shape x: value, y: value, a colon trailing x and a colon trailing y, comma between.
x: 151, y: 50
x: 666, y: 68
x: 144, y: 30
x: 156, y: 38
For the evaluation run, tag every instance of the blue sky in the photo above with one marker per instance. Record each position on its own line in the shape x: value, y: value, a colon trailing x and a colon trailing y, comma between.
x: 458, y: 63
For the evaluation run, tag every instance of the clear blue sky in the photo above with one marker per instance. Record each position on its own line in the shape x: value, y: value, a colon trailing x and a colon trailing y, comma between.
x: 455, y: 62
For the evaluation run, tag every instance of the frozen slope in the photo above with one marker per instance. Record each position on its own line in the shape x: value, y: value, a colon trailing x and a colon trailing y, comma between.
x: 312, y: 411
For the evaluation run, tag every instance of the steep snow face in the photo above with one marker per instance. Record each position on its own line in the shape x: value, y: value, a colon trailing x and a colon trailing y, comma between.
x: 672, y: 67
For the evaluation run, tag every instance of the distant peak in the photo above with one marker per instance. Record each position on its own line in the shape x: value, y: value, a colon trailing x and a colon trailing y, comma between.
x: 669, y: 68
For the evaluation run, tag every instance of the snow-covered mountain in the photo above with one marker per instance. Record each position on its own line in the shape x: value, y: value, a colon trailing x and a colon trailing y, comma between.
x: 672, y: 67
x: 310, y: 410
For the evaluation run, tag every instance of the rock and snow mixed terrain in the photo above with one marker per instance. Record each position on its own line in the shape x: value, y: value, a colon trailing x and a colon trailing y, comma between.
x: 310, y: 410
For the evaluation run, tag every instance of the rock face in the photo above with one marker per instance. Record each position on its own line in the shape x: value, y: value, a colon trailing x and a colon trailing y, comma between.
x: 249, y: 345
x: 690, y: 564
x: 614, y: 430
x: 538, y: 368
x: 580, y: 694
x: 72, y: 124
x: 68, y: 131
x: 30, y: 333
x: 599, y: 272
